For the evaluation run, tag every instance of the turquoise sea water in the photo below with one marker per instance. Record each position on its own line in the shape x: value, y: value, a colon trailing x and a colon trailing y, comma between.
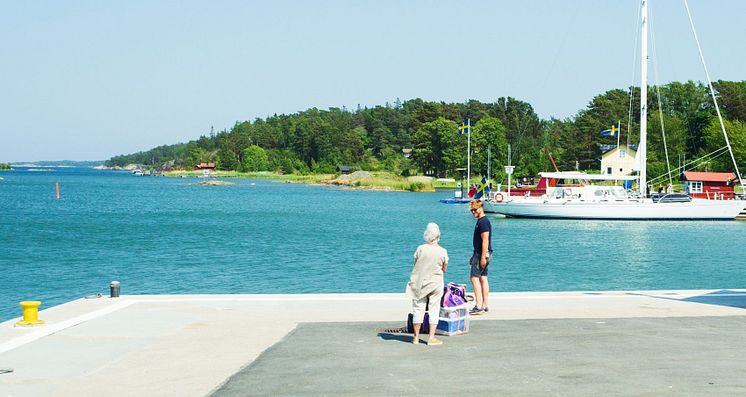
x: 167, y: 236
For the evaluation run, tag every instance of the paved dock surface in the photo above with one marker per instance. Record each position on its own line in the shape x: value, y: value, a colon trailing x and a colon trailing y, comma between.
x: 585, y: 357
x: 570, y: 343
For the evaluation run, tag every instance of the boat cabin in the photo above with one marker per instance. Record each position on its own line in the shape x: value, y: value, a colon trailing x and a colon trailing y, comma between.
x: 580, y: 186
x: 576, y: 185
x: 710, y: 185
x: 524, y: 186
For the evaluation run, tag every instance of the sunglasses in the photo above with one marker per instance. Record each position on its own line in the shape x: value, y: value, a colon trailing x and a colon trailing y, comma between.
x: 474, y: 210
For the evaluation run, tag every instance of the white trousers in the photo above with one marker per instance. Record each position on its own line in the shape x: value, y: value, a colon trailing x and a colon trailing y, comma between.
x: 432, y: 301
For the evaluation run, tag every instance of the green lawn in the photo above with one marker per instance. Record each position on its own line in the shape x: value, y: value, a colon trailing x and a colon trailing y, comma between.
x: 379, y: 180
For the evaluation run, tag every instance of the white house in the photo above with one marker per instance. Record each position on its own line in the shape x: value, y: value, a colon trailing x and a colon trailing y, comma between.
x: 618, y: 161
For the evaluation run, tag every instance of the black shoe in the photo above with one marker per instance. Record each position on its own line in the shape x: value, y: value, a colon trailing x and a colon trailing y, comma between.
x: 475, y: 311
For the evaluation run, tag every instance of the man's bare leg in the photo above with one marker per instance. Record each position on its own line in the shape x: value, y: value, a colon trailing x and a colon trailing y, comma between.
x: 477, y: 286
x: 485, y: 284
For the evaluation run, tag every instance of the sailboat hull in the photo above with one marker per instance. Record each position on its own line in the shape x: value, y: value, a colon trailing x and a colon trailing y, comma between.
x: 622, y: 209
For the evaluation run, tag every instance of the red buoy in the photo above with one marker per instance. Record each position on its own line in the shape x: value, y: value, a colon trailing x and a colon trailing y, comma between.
x: 57, y: 187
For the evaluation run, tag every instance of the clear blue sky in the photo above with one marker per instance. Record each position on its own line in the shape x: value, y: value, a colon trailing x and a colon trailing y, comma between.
x: 86, y: 80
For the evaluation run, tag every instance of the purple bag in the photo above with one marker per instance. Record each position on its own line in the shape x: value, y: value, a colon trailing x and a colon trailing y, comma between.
x: 453, y: 295
x: 425, y: 328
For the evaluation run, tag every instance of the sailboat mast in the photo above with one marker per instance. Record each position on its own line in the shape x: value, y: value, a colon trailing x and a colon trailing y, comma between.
x: 642, y: 149
x: 468, y: 153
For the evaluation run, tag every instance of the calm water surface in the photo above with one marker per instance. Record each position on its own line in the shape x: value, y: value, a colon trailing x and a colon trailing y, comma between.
x: 168, y: 236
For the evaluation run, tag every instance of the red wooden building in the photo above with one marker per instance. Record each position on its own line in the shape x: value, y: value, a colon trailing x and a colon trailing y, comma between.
x: 710, y: 185
x: 204, y: 166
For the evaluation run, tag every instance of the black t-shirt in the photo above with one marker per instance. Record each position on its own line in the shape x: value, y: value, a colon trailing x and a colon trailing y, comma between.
x: 483, y: 225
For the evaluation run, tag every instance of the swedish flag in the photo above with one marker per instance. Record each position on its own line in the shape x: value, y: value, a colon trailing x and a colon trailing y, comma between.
x: 463, y: 128
x: 613, y: 131
x: 482, y: 188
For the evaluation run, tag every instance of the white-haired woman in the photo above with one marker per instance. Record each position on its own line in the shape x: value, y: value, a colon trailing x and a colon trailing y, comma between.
x: 425, y: 285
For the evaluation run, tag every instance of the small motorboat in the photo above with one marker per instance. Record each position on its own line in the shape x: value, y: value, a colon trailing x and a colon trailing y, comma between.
x: 458, y: 198
x: 455, y: 201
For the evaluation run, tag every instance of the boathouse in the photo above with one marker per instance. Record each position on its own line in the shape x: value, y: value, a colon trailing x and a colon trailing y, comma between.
x: 344, y: 169
x: 618, y: 160
x: 710, y: 185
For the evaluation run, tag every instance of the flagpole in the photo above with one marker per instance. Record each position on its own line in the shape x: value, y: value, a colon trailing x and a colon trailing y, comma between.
x: 488, y: 163
x: 468, y: 153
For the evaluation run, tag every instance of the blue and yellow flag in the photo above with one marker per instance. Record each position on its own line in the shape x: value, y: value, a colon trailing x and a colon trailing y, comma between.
x: 482, y: 189
x: 613, y: 131
x: 463, y: 128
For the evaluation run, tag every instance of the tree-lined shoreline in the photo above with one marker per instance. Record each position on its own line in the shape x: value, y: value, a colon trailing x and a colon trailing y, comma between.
x: 418, y: 137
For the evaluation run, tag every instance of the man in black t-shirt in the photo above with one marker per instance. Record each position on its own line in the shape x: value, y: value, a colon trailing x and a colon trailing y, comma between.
x: 480, y: 259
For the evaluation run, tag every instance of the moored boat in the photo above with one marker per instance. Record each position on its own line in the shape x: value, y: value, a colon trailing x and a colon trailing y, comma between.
x: 586, y: 200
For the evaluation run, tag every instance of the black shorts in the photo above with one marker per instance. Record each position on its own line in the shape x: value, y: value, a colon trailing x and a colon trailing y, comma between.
x: 476, y: 270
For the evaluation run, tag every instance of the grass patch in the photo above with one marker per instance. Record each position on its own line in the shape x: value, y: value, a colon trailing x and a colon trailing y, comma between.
x: 379, y: 181
x: 445, y: 184
x: 311, y: 178
x: 392, y: 183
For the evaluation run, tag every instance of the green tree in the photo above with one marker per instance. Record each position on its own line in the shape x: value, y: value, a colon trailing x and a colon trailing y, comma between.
x: 285, y: 161
x: 227, y: 160
x: 489, y: 131
x: 676, y: 138
x: 732, y: 98
x: 523, y: 129
x: 195, y: 155
x: 689, y: 102
x: 602, y: 112
x: 714, y: 140
x: 254, y: 159
x: 559, y: 141
x: 438, y: 149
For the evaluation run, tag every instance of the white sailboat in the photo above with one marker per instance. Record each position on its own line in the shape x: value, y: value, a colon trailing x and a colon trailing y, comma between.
x: 574, y: 196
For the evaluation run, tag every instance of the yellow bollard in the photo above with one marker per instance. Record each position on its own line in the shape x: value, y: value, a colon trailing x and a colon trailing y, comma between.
x: 30, y: 313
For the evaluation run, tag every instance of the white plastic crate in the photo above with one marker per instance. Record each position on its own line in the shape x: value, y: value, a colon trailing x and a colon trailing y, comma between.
x: 454, y: 312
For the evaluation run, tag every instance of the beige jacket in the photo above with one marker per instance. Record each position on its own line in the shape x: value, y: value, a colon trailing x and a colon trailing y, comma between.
x: 427, y: 274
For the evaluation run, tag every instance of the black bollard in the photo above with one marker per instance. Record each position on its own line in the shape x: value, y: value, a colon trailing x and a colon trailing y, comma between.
x: 114, y: 289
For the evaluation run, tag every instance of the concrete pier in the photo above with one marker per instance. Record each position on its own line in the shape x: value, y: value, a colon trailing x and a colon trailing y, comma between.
x: 548, y: 343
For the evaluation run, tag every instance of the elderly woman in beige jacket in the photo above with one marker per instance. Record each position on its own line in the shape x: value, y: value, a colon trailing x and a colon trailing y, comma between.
x: 425, y: 285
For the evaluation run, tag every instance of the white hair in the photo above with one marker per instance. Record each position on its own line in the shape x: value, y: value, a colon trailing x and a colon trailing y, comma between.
x: 432, y: 232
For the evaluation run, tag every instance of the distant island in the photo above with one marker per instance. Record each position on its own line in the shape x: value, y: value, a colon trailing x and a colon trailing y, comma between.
x: 5, y: 166
x: 59, y: 163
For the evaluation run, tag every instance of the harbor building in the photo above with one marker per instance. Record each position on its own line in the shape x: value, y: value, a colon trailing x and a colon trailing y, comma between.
x: 710, y: 185
x: 618, y: 160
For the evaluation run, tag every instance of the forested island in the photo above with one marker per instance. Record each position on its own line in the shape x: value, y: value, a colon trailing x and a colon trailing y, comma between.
x: 418, y: 137
x: 5, y: 166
